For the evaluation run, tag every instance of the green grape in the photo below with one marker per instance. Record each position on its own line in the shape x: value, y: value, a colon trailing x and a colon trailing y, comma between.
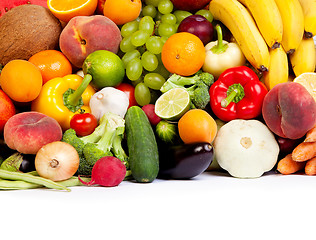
x: 165, y: 6
x: 205, y: 13
x: 164, y: 39
x: 152, y: 2
x: 154, y: 80
x: 126, y: 44
x: 169, y: 18
x: 139, y: 80
x: 158, y: 16
x: 129, y: 28
x: 154, y: 44
x: 161, y: 69
x: 166, y: 29
x: 127, y: 57
x: 149, y: 10
x: 147, y: 24
x: 134, y: 69
x: 180, y: 15
x: 149, y: 61
x: 139, y: 38
x: 142, y: 94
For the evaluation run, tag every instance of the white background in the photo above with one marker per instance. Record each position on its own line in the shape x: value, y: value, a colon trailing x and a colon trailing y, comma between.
x: 210, y: 206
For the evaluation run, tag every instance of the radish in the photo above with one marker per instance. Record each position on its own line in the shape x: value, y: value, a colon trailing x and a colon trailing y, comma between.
x: 107, y: 171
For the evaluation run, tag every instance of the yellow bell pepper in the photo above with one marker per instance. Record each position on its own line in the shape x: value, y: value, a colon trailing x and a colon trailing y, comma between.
x: 61, y: 98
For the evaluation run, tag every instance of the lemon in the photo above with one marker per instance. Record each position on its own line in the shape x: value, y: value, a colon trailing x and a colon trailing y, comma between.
x: 107, y: 69
x: 308, y: 80
x: 173, y: 104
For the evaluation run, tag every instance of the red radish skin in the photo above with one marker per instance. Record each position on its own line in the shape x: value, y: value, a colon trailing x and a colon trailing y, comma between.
x: 107, y: 171
x: 149, y: 110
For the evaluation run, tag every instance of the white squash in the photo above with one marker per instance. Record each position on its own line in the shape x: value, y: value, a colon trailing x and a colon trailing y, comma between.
x: 246, y: 148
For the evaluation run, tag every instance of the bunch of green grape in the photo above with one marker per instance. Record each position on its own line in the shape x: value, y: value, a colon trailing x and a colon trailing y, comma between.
x: 141, y: 45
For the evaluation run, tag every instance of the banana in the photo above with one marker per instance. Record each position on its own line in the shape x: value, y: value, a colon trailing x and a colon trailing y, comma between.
x: 239, y: 21
x: 309, y: 10
x: 268, y: 19
x: 293, y: 24
x: 304, y: 58
x: 278, y: 69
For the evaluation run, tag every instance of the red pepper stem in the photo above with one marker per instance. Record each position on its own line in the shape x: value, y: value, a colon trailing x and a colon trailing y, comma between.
x: 226, y: 101
x: 73, y: 99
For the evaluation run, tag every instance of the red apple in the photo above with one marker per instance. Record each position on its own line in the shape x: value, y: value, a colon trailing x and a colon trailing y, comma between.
x: 190, y: 5
x: 199, y: 26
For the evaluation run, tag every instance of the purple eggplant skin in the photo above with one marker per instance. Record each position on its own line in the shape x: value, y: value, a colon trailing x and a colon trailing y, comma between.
x: 184, y: 161
x: 28, y: 163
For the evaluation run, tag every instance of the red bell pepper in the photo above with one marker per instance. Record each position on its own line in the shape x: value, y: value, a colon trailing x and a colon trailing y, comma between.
x: 237, y: 94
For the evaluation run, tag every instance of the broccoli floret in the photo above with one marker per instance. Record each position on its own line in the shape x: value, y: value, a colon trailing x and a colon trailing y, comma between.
x: 71, y: 137
x: 104, y: 141
x: 197, y: 86
x: 92, y: 153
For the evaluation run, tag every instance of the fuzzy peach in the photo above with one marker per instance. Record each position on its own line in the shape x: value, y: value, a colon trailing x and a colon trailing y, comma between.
x: 86, y: 34
x: 27, y: 132
x: 289, y: 110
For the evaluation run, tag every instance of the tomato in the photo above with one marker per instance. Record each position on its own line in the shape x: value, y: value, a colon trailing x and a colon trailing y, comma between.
x: 129, y: 91
x: 83, y: 123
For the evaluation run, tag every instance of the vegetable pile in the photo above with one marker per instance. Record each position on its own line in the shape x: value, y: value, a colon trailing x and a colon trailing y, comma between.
x: 142, y: 101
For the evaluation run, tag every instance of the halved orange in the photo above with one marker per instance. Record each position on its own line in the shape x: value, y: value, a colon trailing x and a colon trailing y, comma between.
x: 65, y: 10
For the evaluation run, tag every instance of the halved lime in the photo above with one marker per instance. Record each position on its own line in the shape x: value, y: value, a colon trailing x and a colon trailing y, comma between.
x: 173, y: 104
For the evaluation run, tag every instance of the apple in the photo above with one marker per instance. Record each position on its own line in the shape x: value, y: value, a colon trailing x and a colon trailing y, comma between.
x: 199, y: 26
x: 190, y: 5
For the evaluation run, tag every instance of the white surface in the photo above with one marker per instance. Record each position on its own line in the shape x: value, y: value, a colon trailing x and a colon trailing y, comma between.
x: 211, y: 206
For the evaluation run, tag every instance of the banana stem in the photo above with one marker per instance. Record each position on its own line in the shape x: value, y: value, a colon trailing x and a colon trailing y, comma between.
x: 220, y: 47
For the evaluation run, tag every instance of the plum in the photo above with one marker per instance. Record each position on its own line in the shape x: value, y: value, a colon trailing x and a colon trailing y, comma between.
x: 289, y: 110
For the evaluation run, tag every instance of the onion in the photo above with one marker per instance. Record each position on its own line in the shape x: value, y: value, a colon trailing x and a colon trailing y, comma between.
x: 57, y: 161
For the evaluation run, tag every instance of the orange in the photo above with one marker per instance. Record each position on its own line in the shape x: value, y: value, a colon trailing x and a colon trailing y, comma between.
x: 122, y: 11
x: 52, y: 64
x: 66, y: 10
x: 197, y: 125
x: 183, y: 53
x: 21, y: 80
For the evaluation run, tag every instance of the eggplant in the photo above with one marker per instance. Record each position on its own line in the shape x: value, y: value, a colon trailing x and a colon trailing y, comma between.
x: 184, y: 161
x: 19, y: 162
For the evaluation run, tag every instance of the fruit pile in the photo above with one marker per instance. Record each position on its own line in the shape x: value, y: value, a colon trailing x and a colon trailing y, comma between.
x: 96, y: 92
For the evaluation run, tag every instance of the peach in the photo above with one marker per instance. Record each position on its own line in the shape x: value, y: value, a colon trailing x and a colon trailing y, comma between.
x: 86, y: 34
x: 27, y: 132
x: 289, y: 110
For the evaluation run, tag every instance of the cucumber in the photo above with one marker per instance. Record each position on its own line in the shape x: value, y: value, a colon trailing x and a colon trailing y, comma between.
x: 142, y: 146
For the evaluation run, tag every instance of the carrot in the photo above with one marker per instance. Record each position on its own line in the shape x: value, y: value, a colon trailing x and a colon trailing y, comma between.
x: 304, y: 151
x: 288, y: 166
x: 311, y: 135
x: 310, y: 167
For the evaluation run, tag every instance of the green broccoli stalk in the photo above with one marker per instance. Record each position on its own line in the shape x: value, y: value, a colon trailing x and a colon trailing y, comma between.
x: 197, y: 86
x: 104, y: 141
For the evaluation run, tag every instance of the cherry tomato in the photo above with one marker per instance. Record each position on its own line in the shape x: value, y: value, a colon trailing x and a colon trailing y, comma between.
x: 129, y: 91
x: 83, y: 123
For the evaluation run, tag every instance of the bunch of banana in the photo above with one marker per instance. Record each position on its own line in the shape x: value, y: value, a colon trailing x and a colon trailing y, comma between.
x: 309, y: 9
x: 304, y: 58
x: 271, y: 33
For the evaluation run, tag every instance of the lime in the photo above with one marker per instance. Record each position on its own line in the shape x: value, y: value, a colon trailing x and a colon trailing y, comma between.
x: 308, y: 80
x: 106, y: 68
x: 173, y: 104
